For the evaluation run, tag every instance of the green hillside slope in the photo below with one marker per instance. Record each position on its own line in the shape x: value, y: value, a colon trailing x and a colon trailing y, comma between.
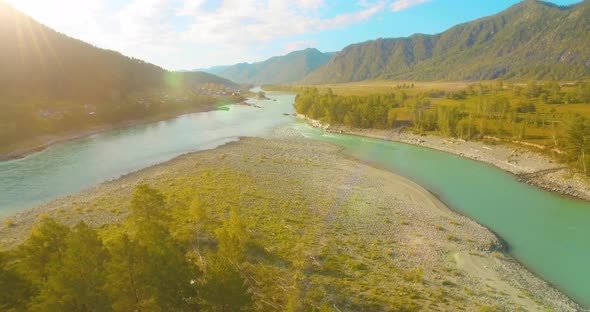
x: 532, y: 39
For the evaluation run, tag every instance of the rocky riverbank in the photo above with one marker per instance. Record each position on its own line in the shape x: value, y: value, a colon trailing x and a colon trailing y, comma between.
x: 367, y: 239
x: 531, y: 167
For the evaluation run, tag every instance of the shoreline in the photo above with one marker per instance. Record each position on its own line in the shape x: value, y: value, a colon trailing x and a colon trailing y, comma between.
x: 498, y: 243
x: 49, y: 140
x: 528, y: 166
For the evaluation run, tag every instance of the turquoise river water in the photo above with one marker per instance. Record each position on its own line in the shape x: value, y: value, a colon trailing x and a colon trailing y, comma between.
x: 549, y: 233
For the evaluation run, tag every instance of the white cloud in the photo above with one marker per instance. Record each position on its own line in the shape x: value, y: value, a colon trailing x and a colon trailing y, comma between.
x: 187, y: 33
x: 400, y: 5
x: 189, y: 7
x: 243, y: 23
x: 311, y: 4
x: 146, y: 22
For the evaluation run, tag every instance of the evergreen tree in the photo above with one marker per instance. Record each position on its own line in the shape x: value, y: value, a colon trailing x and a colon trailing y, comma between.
x: 150, y: 262
x: 225, y: 288
x: 128, y: 277
x: 77, y: 282
x: 579, y: 140
x: 15, y: 289
x: 44, y: 247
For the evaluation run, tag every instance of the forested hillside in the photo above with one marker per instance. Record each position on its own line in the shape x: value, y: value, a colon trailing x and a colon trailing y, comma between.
x: 51, y: 83
x: 532, y: 39
x: 279, y: 69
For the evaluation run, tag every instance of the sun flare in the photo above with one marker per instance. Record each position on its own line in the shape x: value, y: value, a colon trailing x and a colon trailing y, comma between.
x: 59, y: 12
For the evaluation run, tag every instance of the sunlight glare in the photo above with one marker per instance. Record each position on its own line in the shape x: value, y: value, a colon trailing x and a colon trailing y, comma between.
x: 58, y: 12
x: 42, y: 10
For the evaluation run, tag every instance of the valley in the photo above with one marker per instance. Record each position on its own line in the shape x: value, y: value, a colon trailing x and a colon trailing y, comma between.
x: 437, y: 160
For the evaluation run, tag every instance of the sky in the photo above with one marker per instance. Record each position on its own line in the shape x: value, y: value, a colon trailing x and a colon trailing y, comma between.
x: 191, y: 34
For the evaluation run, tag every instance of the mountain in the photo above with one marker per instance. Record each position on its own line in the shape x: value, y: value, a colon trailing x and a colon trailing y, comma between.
x: 276, y: 70
x: 531, y: 39
x: 35, y: 57
x: 215, y: 70
x: 50, y: 82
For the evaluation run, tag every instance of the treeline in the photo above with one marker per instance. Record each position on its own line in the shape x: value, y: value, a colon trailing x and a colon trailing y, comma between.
x: 176, y: 259
x: 373, y: 111
x: 505, y: 111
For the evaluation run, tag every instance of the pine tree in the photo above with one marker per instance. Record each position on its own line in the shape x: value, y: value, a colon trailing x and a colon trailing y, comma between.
x: 15, y: 289
x: 579, y: 140
x: 148, y: 213
x: 149, y: 262
x: 128, y: 277
x: 77, y: 282
x: 45, y: 246
x: 225, y: 287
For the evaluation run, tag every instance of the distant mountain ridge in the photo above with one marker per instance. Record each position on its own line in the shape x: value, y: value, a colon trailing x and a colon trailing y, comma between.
x: 51, y: 83
x: 532, y: 39
x: 37, y: 58
x: 276, y: 70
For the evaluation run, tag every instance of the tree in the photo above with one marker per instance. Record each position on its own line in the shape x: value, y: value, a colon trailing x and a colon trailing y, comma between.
x: 140, y: 279
x: 149, y: 218
x: 45, y: 246
x: 78, y: 282
x: 199, y: 215
x: 391, y: 118
x: 147, y: 206
x: 149, y: 262
x: 225, y: 288
x: 128, y: 276
x: 232, y: 238
x: 15, y: 289
x: 579, y: 140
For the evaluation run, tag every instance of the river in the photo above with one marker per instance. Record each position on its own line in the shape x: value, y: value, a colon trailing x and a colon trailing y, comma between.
x: 549, y: 233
